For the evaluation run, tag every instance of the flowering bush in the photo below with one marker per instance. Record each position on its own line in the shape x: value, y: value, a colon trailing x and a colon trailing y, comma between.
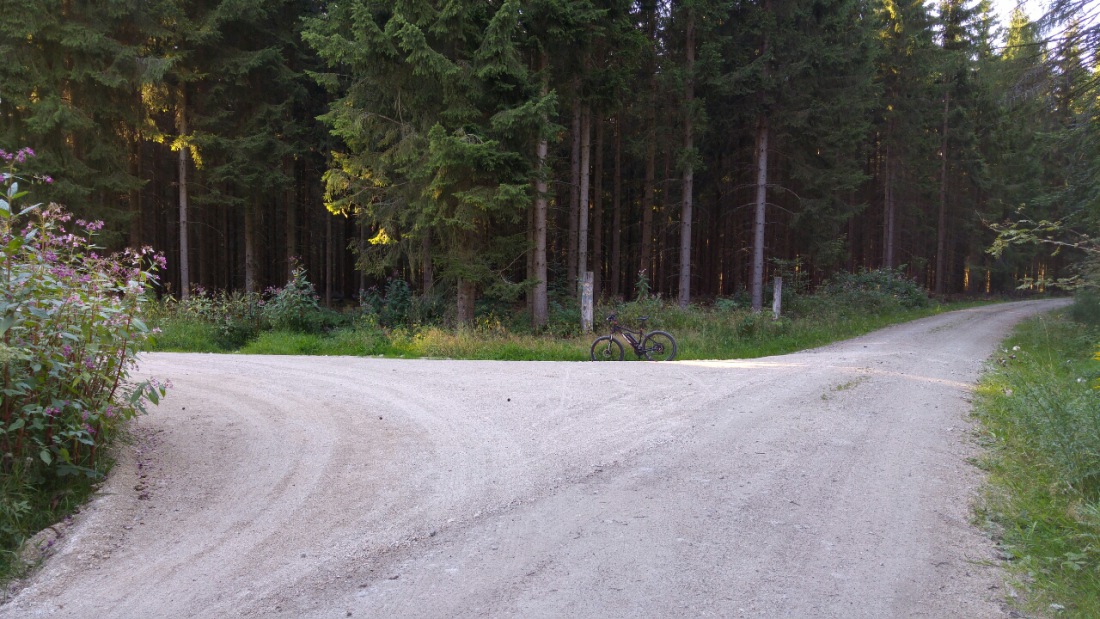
x: 69, y: 334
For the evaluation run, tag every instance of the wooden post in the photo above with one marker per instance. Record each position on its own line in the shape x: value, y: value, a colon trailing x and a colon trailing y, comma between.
x: 777, y: 300
x: 586, y: 302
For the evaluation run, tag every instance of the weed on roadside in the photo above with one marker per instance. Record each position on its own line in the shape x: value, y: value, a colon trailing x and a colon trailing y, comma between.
x: 1042, y: 429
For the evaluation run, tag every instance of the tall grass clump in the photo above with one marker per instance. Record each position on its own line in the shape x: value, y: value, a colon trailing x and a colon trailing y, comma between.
x: 1041, y: 409
x: 70, y: 329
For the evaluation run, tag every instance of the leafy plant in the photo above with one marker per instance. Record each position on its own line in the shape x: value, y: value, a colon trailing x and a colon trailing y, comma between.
x: 71, y: 328
x: 294, y: 307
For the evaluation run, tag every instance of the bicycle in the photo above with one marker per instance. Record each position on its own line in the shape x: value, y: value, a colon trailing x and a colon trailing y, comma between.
x: 653, y: 345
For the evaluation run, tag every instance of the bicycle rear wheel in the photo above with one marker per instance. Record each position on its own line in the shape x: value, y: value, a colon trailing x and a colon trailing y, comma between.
x: 659, y: 346
x: 607, y: 348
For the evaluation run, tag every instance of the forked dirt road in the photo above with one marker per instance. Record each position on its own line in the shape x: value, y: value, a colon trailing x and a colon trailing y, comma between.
x: 828, y: 483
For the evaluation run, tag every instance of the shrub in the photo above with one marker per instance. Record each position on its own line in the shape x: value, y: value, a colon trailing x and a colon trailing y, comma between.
x: 397, y: 306
x: 235, y: 317
x: 875, y: 290
x: 1086, y: 306
x: 294, y: 308
x: 70, y: 327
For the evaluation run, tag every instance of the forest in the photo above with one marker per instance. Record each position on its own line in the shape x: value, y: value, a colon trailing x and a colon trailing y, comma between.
x: 493, y: 151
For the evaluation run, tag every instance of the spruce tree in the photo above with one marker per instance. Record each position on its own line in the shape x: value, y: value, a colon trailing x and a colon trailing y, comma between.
x: 438, y: 117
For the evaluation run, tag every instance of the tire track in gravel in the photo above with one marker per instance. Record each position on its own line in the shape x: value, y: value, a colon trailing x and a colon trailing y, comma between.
x: 830, y: 483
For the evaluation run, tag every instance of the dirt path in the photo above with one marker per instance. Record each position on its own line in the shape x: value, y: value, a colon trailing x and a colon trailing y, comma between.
x: 830, y: 483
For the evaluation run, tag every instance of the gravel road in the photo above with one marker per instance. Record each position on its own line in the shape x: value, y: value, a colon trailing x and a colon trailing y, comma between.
x: 828, y: 483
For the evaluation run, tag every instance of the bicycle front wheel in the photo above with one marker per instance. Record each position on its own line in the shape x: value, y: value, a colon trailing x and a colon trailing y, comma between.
x: 659, y: 346
x: 607, y: 348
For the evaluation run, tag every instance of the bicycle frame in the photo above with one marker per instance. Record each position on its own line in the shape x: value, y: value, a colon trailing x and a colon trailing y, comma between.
x: 634, y: 338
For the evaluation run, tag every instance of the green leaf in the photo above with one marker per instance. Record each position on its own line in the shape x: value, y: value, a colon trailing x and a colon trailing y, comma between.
x: 16, y: 425
x: 46, y: 457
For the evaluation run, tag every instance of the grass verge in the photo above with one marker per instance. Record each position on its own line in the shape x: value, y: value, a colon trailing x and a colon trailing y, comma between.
x: 701, y: 334
x: 25, y: 508
x: 1040, y: 409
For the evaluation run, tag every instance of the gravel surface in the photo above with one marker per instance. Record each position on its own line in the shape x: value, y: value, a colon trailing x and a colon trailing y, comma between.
x: 828, y: 483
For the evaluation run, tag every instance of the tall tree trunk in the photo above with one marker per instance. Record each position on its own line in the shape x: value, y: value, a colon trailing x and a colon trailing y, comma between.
x: 136, y: 195
x: 185, y: 265
x: 427, y: 272
x: 329, y: 246
x: 617, y: 211
x: 361, y: 244
x: 689, y: 168
x: 251, y: 281
x: 292, y: 197
x: 203, y: 239
x: 941, y: 229
x: 597, y: 214
x: 582, y: 221
x: 645, y: 260
x: 761, y: 208
x: 529, y: 266
x: 574, y: 195
x: 540, y: 310
x: 664, y: 233
x: 465, y: 303
x: 889, y: 213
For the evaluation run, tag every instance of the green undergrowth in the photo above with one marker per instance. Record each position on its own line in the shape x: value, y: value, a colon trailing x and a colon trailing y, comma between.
x: 702, y: 333
x: 393, y: 322
x: 28, y: 507
x: 1040, y: 409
